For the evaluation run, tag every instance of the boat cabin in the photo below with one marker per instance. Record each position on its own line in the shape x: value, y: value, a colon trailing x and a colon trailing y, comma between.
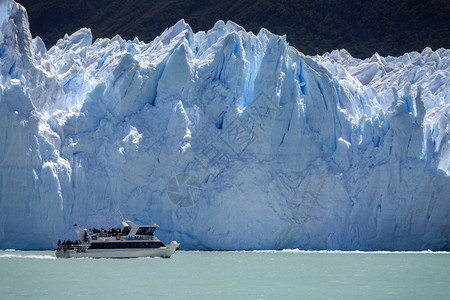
x: 130, y: 231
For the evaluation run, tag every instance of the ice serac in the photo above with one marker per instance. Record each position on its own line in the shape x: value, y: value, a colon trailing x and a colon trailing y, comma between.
x: 226, y: 139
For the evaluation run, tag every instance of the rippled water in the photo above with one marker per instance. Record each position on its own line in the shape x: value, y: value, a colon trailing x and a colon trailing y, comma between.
x: 289, y: 274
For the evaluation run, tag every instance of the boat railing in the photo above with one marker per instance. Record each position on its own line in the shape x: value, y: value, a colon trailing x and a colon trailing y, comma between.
x: 141, y: 237
x: 75, y: 247
x: 127, y: 237
x: 103, y: 235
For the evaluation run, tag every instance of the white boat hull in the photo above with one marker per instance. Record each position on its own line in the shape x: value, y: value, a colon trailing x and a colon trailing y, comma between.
x: 164, y: 252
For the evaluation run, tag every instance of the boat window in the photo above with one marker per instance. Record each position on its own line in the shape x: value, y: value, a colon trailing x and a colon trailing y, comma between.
x: 145, y: 231
x: 99, y: 246
x: 156, y: 244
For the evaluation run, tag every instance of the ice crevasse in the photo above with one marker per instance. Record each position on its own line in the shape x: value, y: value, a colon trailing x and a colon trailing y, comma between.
x: 226, y: 139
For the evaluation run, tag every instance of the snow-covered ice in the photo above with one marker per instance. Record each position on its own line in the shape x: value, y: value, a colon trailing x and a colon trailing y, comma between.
x: 226, y: 139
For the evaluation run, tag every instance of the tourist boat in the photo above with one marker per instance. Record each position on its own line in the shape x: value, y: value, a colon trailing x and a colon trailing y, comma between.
x: 131, y: 241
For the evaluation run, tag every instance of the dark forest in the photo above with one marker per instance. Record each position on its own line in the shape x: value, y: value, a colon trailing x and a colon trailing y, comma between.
x: 313, y: 27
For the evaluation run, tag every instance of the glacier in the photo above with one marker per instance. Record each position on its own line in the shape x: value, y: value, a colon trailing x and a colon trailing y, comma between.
x: 226, y: 139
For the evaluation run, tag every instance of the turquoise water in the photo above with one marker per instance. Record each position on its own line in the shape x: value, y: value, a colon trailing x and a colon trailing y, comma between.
x: 228, y: 275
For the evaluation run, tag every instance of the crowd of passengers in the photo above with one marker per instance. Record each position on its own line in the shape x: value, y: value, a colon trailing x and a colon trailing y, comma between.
x: 110, y: 232
x: 68, y: 243
x: 100, y: 232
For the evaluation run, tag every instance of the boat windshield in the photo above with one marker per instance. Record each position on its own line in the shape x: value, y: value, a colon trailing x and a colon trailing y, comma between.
x: 145, y: 231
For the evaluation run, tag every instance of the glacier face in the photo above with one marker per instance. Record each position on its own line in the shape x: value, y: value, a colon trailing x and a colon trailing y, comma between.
x: 226, y: 139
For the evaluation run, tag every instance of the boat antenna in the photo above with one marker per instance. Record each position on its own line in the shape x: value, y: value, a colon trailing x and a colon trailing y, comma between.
x: 151, y: 219
x: 120, y: 214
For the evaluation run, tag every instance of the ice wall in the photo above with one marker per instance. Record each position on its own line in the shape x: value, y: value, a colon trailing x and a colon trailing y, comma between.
x: 226, y: 139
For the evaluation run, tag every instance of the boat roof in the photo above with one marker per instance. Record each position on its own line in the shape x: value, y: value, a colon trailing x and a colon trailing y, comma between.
x: 128, y: 223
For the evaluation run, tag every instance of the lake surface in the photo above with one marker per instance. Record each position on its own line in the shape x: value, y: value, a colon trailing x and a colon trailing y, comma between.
x: 289, y: 274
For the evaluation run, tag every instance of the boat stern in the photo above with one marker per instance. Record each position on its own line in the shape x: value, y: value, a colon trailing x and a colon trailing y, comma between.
x: 62, y: 254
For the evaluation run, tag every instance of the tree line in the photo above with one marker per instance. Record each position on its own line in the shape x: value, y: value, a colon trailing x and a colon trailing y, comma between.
x: 313, y: 27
